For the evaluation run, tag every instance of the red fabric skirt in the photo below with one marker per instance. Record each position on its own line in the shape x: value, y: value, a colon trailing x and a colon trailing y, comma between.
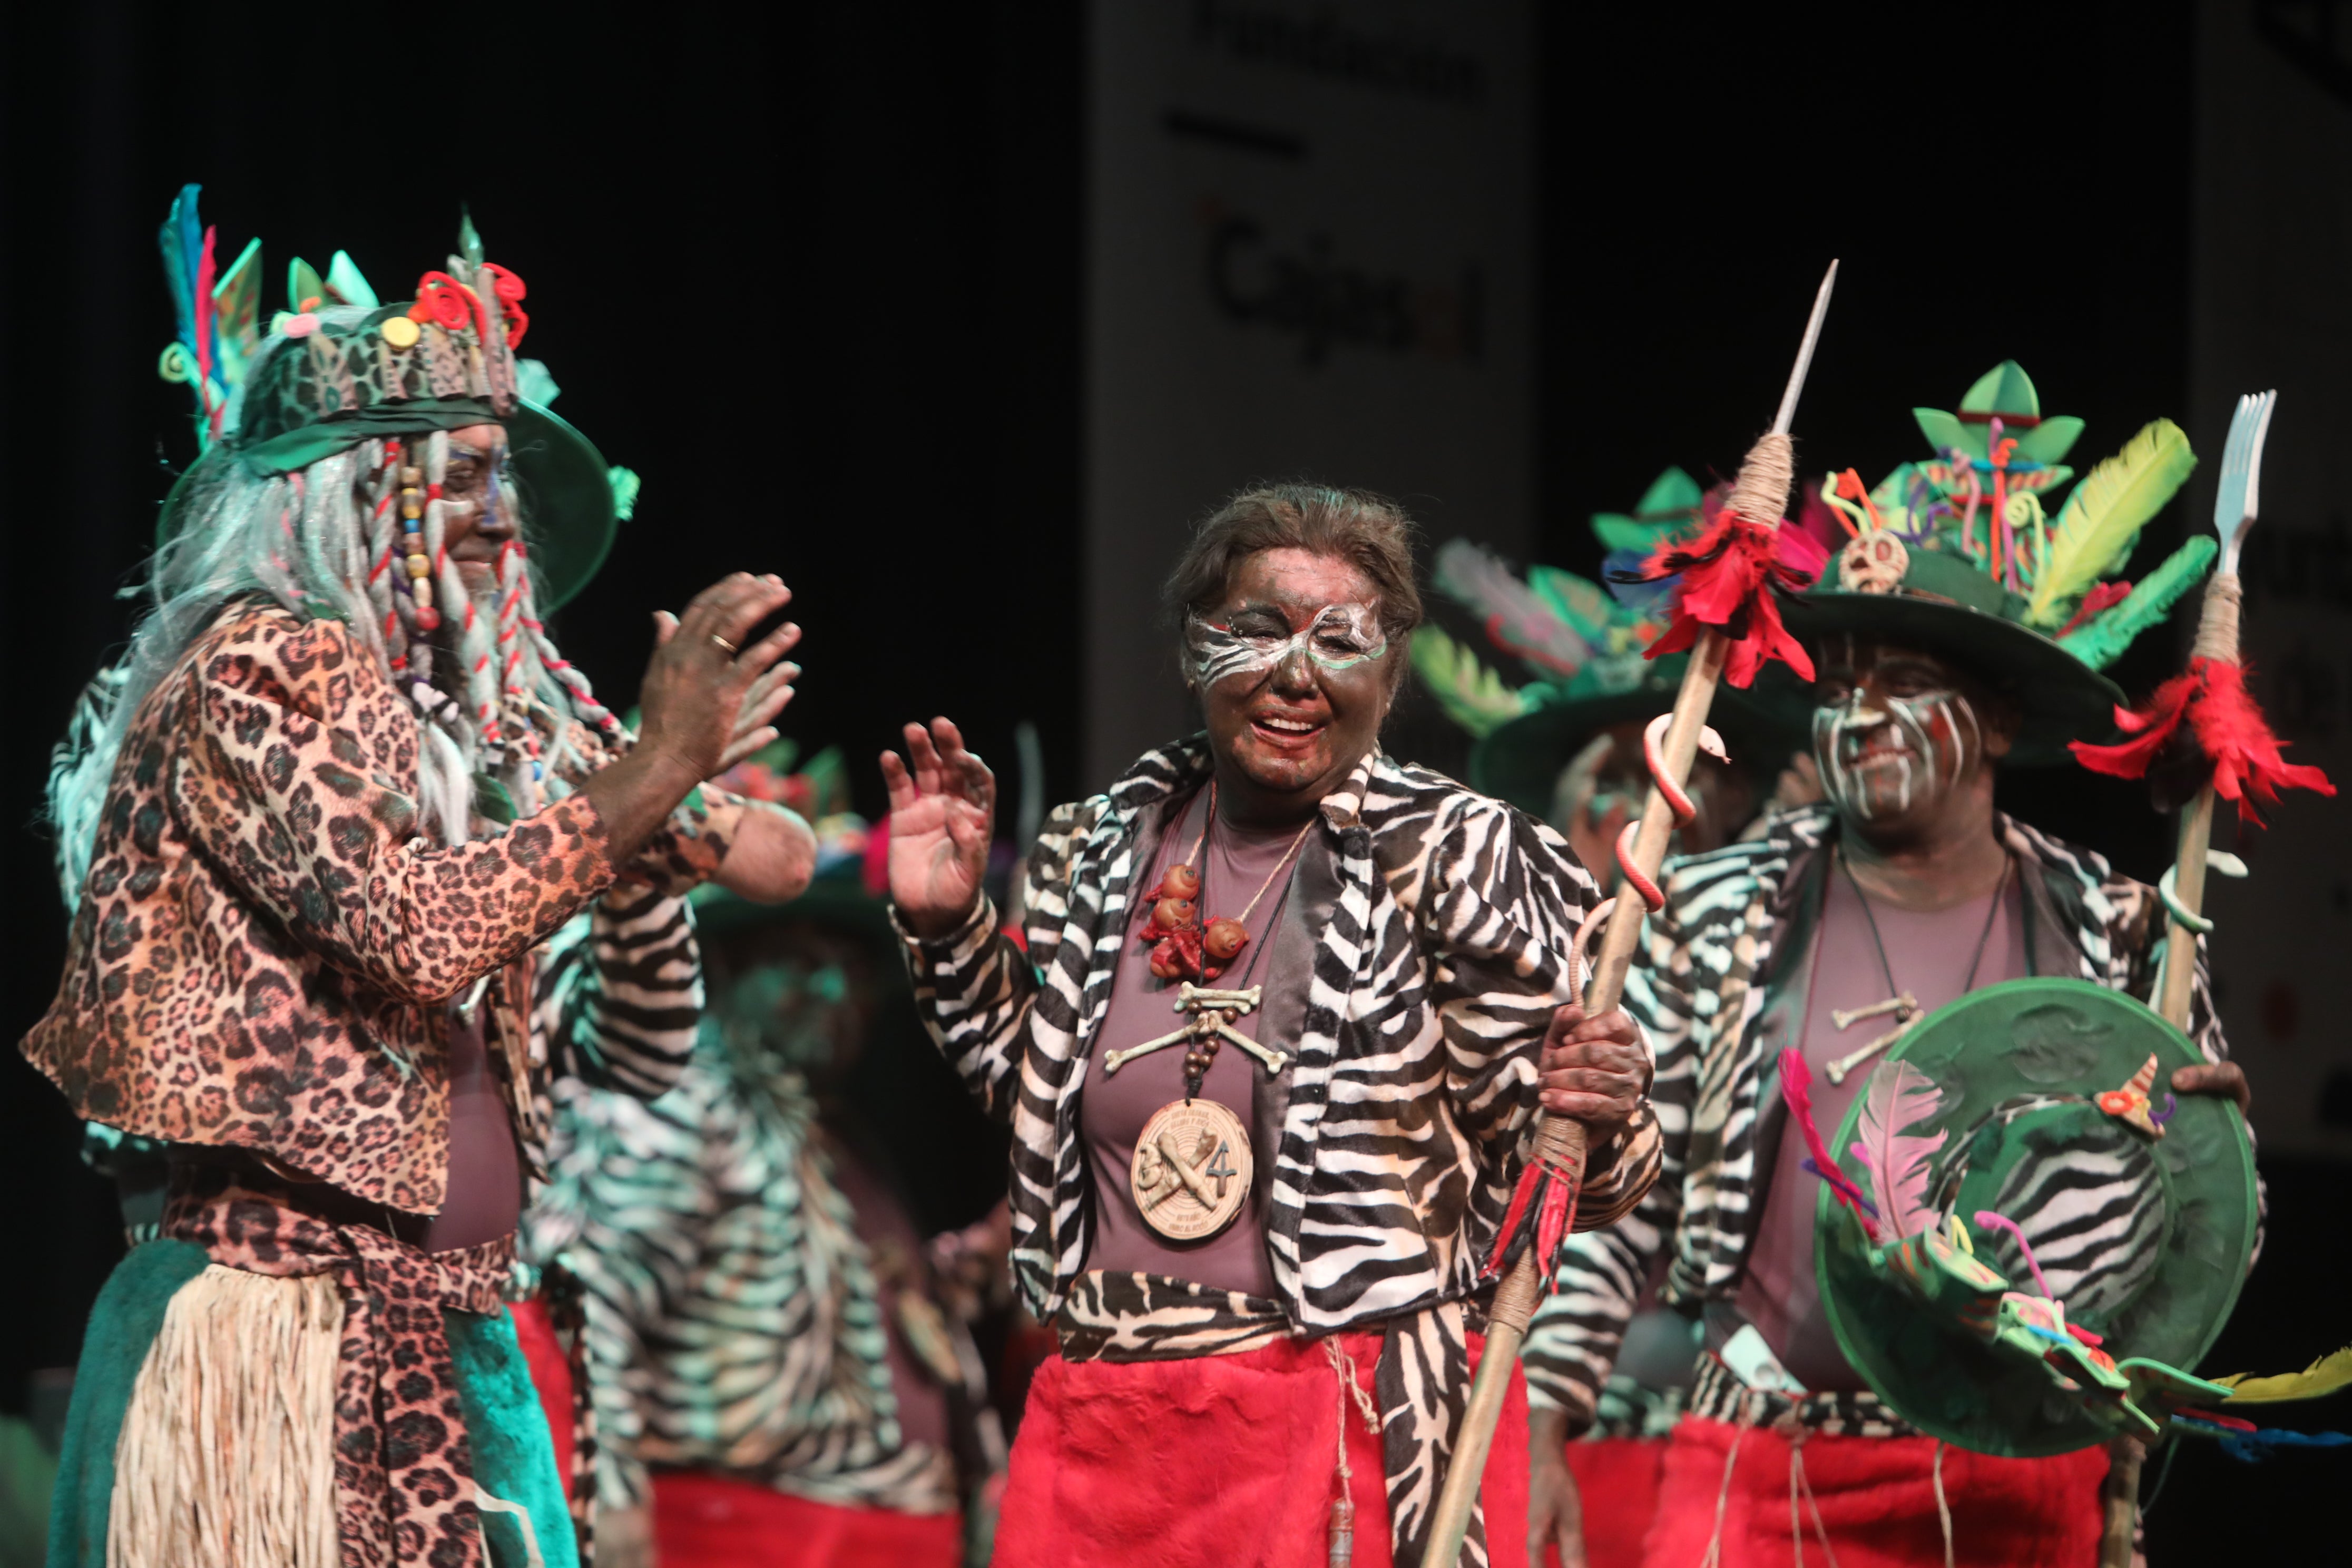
x: 715, y: 1521
x: 1877, y: 1499
x: 1617, y: 1479
x: 1220, y: 1462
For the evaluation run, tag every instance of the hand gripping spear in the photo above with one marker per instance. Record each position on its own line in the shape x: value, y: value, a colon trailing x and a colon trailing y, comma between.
x: 1725, y: 616
x: 2209, y: 707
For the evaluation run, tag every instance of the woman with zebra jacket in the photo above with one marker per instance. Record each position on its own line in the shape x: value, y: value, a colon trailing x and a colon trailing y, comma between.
x: 1285, y: 1008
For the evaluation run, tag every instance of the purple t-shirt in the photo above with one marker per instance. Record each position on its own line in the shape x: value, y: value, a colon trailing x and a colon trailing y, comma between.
x: 1930, y: 953
x: 1235, y: 862
x: 485, y: 1196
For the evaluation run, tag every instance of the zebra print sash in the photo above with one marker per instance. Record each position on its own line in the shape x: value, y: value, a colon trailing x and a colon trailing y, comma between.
x: 1720, y: 1396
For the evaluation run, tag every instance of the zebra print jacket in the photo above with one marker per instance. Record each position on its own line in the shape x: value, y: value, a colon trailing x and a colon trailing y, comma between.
x: 734, y: 1315
x: 1733, y: 931
x: 1433, y: 979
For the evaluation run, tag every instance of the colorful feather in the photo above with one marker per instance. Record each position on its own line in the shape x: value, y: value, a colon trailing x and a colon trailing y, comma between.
x: 2324, y: 1377
x: 1472, y: 694
x: 2101, y: 640
x: 1899, y: 1096
x: 2102, y: 518
x: 1515, y: 614
x: 1797, y: 1090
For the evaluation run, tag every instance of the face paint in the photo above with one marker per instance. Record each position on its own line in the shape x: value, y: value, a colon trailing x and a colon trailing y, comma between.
x: 1340, y: 637
x: 1881, y: 756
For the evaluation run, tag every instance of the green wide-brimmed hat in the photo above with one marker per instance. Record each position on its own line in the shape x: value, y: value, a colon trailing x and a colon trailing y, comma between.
x: 316, y: 385
x: 1960, y: 555
x: 2144, y: 1236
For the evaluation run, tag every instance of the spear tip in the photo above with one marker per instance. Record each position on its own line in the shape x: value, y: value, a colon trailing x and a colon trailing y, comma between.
x: 1781, y: 421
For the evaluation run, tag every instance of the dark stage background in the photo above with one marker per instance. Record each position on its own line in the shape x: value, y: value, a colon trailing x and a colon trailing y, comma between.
x: 815, y: 273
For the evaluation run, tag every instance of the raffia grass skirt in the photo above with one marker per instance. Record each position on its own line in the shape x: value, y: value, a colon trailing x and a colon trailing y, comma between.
x: 227, y: 1458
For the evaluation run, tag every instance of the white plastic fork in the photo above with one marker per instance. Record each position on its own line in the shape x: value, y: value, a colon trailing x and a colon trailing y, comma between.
x: 2239, y: 497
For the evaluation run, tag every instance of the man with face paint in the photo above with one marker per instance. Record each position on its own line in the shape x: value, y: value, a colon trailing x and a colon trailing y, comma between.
x: 1286, y: 1011
x: 1840, y: 925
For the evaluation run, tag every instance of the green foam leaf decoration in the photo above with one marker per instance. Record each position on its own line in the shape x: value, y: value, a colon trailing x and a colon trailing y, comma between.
x: 2050, y: 440
x: 1583, y: 604
x: 303, y: 282
x: 1945, y: 431
x: 533, y: 380
x: 626, y: 485
x: 1472, y: 694
x: 1669, y: 506
x: 347, y: 283
x: 2094, y: 533
x: 2101, y: 640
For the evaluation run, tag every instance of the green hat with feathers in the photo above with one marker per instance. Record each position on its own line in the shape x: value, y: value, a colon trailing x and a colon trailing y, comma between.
x: 1960, y: 554
x: 301, y: 387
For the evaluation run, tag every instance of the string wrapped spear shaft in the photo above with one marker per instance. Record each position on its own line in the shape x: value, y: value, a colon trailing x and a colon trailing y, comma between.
x: 1759, y: 496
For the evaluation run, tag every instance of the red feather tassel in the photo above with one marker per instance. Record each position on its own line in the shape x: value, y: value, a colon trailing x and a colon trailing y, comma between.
x: 1726, y: 577
x: 1544, y: 1203
x: 2208, y: 708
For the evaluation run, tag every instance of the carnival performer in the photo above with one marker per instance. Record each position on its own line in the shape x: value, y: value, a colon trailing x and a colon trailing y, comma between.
x: 780, y: 1378
x: 339, y: 790
x: 1285, y: 1008
x: 1830, y: 935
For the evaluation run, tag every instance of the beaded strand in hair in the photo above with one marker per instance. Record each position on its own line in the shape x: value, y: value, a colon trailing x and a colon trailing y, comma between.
x: 514, y: 575
x: 377, y: 543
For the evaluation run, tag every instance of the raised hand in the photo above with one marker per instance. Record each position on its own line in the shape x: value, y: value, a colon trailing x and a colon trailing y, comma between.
x: 942, y: 809
x: 707, y: 700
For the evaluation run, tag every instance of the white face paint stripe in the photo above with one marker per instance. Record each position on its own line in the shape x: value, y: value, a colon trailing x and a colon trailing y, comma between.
x: 1218, y: 652
x: 1914, y: 719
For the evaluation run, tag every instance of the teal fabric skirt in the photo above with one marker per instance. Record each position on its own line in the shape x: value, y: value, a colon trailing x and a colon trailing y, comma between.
x: 514, y: 1457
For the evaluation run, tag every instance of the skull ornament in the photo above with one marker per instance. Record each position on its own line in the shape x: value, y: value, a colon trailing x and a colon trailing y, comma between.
x: 1873, y: 563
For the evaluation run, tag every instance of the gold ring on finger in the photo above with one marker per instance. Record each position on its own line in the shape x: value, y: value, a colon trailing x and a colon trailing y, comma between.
x: 728, y: 647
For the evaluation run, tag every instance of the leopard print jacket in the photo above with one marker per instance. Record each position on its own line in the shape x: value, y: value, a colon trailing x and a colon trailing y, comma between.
x: 265, y: 946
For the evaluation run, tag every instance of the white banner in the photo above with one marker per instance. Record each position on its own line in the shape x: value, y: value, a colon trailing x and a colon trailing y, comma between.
x: 1308, y: 256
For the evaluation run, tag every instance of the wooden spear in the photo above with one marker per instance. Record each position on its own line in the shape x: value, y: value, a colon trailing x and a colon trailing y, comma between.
x: 1760, y: 493
x: 2236, y: 502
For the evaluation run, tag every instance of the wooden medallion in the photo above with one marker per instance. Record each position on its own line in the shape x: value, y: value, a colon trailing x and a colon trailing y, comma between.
x: 1192, y: 1169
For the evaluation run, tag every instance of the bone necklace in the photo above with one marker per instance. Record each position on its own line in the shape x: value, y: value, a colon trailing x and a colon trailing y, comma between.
x: 1899, y: 1002
x: 1194, y: 1166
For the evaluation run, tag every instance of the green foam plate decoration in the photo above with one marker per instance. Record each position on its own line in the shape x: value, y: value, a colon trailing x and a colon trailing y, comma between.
x: 2001, y: 1044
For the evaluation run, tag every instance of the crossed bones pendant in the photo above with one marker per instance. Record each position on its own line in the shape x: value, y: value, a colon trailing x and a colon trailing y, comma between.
x: 1214, y: 1012
x: 1906, y: 1009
